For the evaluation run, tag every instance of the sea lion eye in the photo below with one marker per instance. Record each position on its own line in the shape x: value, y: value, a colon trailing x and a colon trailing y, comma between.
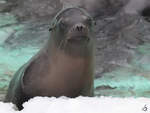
x: 94, y: 22
x: 52, y: 27
x: 89, y: 21
x: 62, y: 23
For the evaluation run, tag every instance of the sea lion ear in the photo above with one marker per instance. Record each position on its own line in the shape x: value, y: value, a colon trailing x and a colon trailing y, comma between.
x: 51, y: 27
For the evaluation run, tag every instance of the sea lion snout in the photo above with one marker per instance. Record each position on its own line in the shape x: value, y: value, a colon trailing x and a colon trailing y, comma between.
x: 78, y: 32
x: 79, y: 27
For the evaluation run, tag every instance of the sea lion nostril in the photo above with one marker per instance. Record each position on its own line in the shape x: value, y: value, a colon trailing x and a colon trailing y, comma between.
x: 79, y: 27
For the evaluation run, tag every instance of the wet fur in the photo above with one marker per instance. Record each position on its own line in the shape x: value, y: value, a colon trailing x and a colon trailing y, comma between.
x: 56, y: 70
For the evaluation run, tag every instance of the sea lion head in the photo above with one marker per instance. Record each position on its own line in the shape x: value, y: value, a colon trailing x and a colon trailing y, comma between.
x: 72, y: 27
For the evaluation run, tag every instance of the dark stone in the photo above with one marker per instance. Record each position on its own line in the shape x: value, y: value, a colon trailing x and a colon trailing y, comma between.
x: 105, y: 88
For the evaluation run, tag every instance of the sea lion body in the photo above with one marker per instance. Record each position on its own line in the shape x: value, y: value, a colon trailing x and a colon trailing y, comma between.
x: 63, y: 67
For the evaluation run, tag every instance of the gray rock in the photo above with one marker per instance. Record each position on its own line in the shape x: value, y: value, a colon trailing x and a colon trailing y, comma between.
x: 35, y: 9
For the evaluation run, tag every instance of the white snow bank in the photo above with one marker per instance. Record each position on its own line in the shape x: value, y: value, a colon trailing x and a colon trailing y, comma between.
x: 80, y: 105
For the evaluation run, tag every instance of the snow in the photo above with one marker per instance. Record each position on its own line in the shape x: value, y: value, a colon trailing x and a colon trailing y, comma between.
x: 80, y: 105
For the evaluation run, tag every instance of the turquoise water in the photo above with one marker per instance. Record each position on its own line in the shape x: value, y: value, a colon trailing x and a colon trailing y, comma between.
x: 10, y: 61
x: 131, y: 80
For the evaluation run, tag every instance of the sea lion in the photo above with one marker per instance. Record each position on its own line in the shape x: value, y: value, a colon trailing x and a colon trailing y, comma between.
x: 64, y: 66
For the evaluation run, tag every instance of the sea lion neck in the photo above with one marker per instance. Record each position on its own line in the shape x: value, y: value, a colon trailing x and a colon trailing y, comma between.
x: 70, y: 50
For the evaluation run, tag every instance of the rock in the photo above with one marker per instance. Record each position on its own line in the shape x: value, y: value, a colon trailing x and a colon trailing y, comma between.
x: 136, y: 6
x: 7, y: 19
x: 6, y: 5
x: 98, y: 8
x: 35, y: 9
x: 31, y: 34
x: 46, y: 9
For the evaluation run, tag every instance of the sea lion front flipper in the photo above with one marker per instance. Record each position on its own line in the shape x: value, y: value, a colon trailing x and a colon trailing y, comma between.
x: 15, y: 91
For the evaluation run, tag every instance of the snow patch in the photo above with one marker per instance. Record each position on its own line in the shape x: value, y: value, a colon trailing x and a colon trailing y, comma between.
x: 80, y: 105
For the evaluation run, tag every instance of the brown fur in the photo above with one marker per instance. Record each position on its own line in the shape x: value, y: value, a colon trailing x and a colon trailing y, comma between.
x: 61, y: 68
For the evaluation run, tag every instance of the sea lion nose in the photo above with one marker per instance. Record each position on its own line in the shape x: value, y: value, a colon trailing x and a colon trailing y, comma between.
x: 79, y: 27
